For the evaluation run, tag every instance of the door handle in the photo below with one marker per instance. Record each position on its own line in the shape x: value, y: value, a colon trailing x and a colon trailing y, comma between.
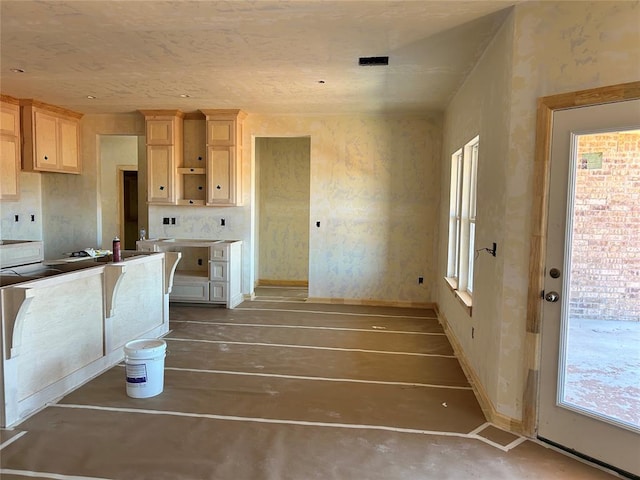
x: 552, y: 297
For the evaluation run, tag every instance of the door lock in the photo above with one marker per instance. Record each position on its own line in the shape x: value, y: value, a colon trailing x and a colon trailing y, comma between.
x: 552, y: 297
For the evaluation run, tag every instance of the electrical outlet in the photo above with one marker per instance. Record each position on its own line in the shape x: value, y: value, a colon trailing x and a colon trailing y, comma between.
x: 173, y: 220
x: 420, y: 280
x: 165, y: 220
x: 223, y: 222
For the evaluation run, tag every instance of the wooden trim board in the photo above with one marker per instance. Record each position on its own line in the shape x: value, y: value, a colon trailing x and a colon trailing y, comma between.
x: 491, y: 414
x: 282, y: 283
x: 373, y: 303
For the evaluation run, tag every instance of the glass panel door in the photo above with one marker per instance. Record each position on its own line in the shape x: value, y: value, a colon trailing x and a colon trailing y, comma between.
x: 589, y: 389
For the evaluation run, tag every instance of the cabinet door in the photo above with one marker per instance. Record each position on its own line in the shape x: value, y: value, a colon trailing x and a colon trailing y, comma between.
x: 69, y: 155
x: 9, y: 167
x: 160, y: 132
x: 218, y: 271
x: 160, y: 174
x: 221, y: 174
x: 221, y: 132
x: 190, y: 292
x: 9, y: 119
x: 218, y: 292
x: 46, y: 141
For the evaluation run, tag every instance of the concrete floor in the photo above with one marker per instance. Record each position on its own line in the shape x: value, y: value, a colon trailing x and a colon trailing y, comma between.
x: 603, y: 368
x: 284, y: 390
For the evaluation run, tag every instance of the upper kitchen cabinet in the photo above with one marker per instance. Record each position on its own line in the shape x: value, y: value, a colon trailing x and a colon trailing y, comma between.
x: 224, y: 156
x: 51, y: 138
x: 9, y: 148
x: 164, y: 132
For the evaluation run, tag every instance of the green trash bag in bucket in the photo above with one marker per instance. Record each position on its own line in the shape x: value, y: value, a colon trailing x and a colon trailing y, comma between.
x: 144, y: 367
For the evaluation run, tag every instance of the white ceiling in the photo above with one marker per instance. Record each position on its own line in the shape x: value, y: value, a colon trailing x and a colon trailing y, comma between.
x: 261, y: 56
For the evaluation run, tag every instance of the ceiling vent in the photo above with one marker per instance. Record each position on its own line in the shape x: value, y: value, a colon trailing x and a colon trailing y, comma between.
x: 373, y: 61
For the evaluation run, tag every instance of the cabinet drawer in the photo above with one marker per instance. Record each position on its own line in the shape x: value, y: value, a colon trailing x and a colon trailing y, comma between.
x: 190, y: 292
x: 219, y: 292
x: 220, y: 252
x: 218, y: 271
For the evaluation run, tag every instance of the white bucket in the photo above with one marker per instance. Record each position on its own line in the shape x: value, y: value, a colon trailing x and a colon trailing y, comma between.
x: 144, y: 367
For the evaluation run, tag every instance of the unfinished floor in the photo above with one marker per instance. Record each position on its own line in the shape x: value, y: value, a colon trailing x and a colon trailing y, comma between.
x: 285, y: 390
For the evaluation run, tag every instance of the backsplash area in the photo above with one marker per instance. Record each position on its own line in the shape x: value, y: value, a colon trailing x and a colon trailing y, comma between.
x: 28, y: 210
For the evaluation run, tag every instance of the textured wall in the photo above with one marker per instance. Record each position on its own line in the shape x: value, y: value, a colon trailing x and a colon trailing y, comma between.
x: 375, y: 191
x: 481, y: 107
x: 30, y: 203
x: 282, y: 171
x: 555, y: 47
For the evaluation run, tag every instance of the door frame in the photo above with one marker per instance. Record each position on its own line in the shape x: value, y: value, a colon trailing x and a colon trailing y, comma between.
x: 537, y: 249
x: 256, y: 191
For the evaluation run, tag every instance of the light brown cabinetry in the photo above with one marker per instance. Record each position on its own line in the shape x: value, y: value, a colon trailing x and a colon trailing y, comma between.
x: 164, y: 130
x: 224, y: 156
x: 9, y: 149
x: 51, y: 138
x: 194, y: 159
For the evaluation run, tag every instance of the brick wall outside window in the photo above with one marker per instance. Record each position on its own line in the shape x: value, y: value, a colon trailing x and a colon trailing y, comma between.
x: 606, y: 240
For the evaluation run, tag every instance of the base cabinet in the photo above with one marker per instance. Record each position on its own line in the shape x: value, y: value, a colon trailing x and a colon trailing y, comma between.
x: 209, y: 271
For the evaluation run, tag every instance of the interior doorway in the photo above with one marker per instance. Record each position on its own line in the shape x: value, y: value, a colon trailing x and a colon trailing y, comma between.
x: 283, y: 205
x: 128, y: 182
x: 122, y: 162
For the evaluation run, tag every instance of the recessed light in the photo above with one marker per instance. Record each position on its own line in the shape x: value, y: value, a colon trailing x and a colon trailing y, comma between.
x: 17, y: 70
x: 185, y: 95
x: 91, y: 97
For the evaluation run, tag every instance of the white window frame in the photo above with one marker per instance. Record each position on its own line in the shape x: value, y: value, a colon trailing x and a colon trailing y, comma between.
x: 462, y: 221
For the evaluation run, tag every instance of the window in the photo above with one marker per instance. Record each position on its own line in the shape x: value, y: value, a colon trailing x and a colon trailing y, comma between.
x: 462, y: 220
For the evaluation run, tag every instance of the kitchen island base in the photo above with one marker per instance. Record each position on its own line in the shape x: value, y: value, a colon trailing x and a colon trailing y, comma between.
x: 60, y: 331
